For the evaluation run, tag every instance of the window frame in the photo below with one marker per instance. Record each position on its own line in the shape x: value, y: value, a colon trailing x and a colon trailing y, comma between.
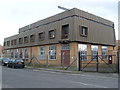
x: 40, y: 34
x: 26, y: 39
x: 84, y: 31
x: 42, y: 57
x: 21, y: 40
x: 52, y: 50
x: 63, y: 30
x: 32, y: 38
x: 52, y: 36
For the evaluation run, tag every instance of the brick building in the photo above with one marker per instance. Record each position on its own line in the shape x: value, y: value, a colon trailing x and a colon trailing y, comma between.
x: 59, y: 39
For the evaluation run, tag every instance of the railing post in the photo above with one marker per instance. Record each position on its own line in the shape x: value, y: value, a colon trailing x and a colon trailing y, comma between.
x: 97, y: 63
x: 79, y: 62
x: 118, y: 62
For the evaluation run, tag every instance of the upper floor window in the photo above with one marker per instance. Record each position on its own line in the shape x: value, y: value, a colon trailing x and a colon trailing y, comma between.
x: 20, y: 40
x: 32, y: 38
x: 41, y: 36
x: 15, y: 41
x: 65, y: 31
x: 52, y: 34
x: 4, y: 43
x: 84, y: 31
x: 12, y: 42
x: 26, y: 39
x: 8, y: 43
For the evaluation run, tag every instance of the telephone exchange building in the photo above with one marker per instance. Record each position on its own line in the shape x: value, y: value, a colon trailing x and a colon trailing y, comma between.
x: 59, y: 39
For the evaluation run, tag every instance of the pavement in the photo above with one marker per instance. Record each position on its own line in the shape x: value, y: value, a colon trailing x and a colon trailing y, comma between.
x: 51, y: 78
x: 112, y: 75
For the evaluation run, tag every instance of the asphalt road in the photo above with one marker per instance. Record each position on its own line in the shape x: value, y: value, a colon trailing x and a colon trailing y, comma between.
x: 32, y: 78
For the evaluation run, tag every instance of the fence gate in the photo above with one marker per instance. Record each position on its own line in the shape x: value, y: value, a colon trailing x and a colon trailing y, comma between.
x: 99, y: 63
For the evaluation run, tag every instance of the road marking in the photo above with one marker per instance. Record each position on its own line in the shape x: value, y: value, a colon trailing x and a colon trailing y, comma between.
x: 94, y: 76
x: 36, y: 70
x: 86, y: 84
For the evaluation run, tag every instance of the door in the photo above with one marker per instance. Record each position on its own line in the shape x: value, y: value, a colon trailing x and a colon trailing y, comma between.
x: 65, y: 56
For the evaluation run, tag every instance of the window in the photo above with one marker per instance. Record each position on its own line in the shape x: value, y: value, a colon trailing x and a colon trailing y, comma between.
x: 41, y: 36
x: 11, y: 42
x: 65, y: 46
x: 84, y: 31
x: 26, y: 39
x: 65, y: 31
x: 104, y: 52
x: 16, y: 53
x: 52, y: 52
x: 15, y: 41
x: 21, y: 53
x: 32, y: 38
x: 20, y: 40
x: 94, y: 52
x: 52, y: 34
x: 8, y: 43
x: 26, y: 53
x: 83, y: 51
x: 12, y: 53
x: 4, y: 43
x: 8, y: 53
x: 42, y: 52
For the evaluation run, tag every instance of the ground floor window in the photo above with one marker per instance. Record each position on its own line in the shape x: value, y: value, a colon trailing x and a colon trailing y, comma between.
x: 42, y: 53
x: 104, y: 52
x: 65, y: 46
x: 52, y: 52
x: 12, y: 53
x: 16, y: 53
x: 83, y: 51
x: 8, y: 53
x: 21, y: 53
x: 26, y: 53
x: 94, y: 52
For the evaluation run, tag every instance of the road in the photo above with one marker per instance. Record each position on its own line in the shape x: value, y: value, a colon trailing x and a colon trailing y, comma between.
x: 32, y: 78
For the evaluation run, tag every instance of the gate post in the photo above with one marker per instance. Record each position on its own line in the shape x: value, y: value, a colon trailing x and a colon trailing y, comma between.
x: 118, y: 61
x: 79, y: 62
x: 97, y: 63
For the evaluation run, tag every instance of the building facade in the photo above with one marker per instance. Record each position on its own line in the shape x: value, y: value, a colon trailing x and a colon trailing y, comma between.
x: 59, y: 39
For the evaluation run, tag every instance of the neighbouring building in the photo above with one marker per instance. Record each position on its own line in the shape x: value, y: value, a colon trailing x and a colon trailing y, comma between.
x: 1, y: 47
x: 59, y: 39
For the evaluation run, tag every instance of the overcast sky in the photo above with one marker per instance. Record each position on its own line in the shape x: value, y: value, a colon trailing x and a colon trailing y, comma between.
x: 15, y: 14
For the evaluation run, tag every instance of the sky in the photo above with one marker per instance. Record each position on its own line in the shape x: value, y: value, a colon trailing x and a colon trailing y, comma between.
x: 15, y: 14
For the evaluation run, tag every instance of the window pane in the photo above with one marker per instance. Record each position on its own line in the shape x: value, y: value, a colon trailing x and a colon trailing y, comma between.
x: 104, y: 53
x: 52, y: 52
x: 83, y: 51
x: 42, y: 53
x: 94, y: 52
